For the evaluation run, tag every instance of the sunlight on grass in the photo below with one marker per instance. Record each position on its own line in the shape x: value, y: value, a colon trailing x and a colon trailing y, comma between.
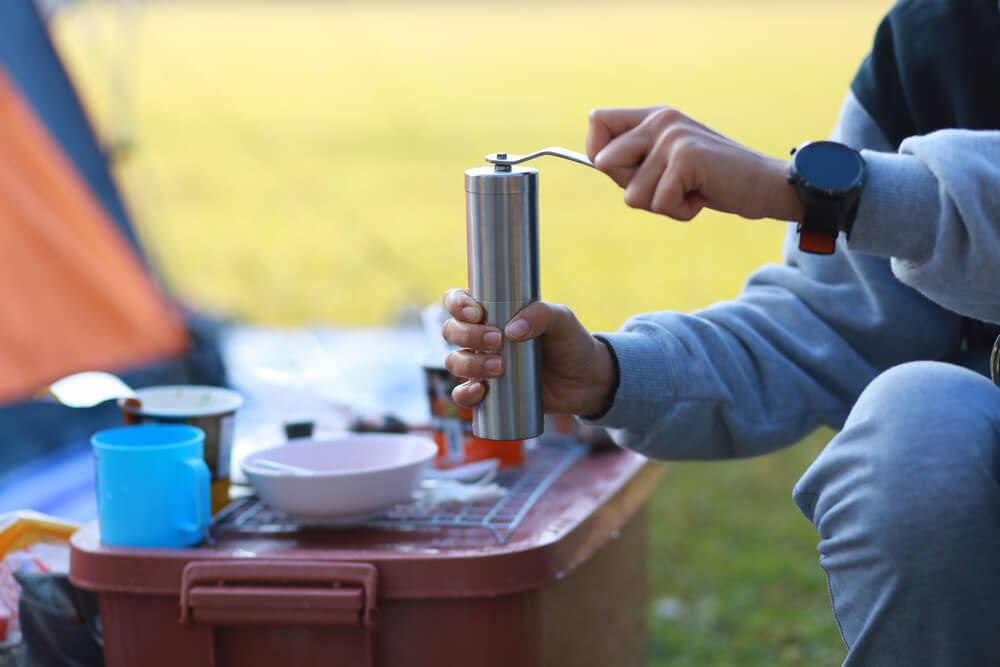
x: 304, y: 162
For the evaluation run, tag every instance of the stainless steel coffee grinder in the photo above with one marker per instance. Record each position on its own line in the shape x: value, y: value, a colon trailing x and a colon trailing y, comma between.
x: 501, y: 208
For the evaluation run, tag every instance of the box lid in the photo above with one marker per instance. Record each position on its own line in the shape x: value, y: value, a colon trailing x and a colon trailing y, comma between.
x: 579, y: 512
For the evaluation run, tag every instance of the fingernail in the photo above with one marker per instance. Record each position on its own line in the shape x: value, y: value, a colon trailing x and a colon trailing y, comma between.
x: 479, y: 389
x: 518, y: 329
x: 471, y: 313
x: 492, y: 338
x: 493, y: 365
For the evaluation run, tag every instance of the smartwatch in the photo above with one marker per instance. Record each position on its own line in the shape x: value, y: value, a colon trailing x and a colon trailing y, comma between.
x: 829, y: 177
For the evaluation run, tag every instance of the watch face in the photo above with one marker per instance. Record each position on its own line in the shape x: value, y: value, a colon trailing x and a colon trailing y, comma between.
x: 829, y: 166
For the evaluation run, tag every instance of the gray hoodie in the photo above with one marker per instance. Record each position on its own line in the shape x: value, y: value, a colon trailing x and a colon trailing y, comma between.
x: 797, y: 346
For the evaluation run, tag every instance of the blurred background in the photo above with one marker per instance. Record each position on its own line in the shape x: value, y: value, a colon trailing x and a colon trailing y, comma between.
x: 294, y: 163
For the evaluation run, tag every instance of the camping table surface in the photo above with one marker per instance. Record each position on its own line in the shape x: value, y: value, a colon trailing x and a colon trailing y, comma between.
x: 581, y: 510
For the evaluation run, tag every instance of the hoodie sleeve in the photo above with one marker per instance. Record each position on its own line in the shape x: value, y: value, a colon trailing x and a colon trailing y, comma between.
x: 933, y: 207
x: 791, y: 352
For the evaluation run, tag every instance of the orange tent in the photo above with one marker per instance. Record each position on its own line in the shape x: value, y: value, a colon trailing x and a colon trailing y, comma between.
x: 76, y: 292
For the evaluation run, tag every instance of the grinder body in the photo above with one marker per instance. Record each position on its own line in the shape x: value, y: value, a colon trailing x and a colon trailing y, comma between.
x: 501, y: 205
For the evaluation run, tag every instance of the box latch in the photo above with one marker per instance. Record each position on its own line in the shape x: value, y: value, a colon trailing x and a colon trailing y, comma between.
x: 280, y: 592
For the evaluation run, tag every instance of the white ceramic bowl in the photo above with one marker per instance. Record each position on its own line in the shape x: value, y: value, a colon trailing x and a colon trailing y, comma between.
x: 353, y: 476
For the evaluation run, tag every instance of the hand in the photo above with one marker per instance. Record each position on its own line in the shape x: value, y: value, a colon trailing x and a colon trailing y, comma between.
x: 670, y: 164
x: 577, y: 369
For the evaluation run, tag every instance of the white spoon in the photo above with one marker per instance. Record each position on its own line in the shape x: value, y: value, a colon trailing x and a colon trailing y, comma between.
x: 87, y: 389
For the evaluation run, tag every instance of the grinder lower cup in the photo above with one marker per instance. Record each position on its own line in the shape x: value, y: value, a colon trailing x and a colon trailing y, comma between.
x: 501, y: 205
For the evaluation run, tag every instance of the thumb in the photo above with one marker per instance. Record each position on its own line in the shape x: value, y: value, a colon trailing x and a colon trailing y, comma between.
x: 534, y: 320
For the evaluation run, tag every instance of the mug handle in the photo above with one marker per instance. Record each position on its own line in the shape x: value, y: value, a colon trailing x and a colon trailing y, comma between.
x: 202, y: 505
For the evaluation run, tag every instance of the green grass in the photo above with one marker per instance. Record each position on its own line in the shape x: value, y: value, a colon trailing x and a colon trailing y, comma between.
x: 302, y: 163
x: 734, y: 565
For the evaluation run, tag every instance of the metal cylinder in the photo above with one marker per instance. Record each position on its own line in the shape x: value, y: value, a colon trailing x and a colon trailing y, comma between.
x: 501, y: 207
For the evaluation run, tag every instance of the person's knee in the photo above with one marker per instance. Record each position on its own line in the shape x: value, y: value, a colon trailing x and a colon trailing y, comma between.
x: 918, y: 450
x: 908, y: 399
x: 906, y: 503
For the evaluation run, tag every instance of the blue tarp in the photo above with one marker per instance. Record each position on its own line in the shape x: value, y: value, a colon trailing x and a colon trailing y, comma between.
x: 324, y: 374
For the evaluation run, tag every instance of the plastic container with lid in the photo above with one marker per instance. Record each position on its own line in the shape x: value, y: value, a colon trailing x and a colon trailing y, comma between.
x: 567, y: 587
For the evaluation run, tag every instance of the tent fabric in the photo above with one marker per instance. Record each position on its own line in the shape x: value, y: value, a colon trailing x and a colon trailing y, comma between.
x: 76, y: 290
x: 82, y: 298
x: 33, y: 64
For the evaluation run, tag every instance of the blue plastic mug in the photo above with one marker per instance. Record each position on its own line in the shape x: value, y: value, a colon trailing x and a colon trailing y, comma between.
x: 152, y: 485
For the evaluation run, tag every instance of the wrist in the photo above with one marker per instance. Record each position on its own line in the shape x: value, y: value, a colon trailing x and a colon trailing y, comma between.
x: 786, y: 204
x: 604, y: 383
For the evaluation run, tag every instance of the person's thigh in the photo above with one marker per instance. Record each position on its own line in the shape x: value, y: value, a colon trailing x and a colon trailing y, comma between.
x: 906, y: 502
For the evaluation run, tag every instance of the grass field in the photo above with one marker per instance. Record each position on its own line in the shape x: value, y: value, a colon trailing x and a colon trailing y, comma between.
x: 302, y: 163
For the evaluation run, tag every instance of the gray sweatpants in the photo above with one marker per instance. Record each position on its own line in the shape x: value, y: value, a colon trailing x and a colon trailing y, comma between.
x: 906, y: 501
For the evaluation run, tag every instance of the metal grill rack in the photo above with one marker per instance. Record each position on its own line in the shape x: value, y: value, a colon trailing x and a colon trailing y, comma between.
x: 524, y: 485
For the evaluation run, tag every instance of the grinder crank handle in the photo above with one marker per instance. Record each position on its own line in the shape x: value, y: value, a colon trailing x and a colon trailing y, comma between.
x: 508, y: 159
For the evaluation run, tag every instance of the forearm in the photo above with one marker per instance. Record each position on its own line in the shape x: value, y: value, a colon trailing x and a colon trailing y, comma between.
x: 751, y: 375
x: 792, y: 352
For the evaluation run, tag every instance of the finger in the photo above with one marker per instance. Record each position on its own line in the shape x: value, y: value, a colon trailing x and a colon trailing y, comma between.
x: 460, y: 305
x: 606, y: 124
x: 642, y: 187
x: 598, y: 132
x: 676, y: 198
x: 469, y: 394
x: 468, y: 364
x: 623, y: 158
x: 627, y: 150
x: 473, y: 336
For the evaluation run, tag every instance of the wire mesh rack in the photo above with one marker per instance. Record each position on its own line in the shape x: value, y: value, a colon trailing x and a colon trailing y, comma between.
x: 523, y: 486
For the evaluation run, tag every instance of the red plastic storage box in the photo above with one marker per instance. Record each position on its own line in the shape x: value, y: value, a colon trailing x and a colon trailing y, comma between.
x: 565, y: 586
